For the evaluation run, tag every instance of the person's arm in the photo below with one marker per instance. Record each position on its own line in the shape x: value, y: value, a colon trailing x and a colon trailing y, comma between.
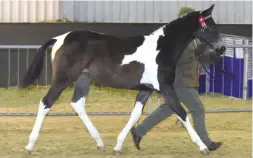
x: 207, y: 56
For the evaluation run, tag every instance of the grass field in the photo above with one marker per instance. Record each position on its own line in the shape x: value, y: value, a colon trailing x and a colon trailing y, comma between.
x: 67, y: 136
x: 99, y: 100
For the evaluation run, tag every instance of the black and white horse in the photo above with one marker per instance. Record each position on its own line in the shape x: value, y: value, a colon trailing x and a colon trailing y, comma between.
x: 144, y: 63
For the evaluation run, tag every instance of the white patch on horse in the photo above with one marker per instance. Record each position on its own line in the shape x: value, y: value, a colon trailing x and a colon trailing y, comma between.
x: 135, y: 115
x: 60, y: 39
x: 36, y: 128
x: 79, y: 108
x: 85, y: 70
x: 194, y: 136
x: 146, y: 54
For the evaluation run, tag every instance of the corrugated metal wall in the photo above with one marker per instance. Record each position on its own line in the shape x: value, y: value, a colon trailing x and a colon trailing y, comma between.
x: 28, y: 11
x: 225, y: 12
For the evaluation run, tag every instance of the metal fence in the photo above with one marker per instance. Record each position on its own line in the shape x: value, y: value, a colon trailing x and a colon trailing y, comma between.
x: 19, y: 57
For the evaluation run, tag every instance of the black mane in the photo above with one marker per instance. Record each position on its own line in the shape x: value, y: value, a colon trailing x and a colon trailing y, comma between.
x: 177, y: 35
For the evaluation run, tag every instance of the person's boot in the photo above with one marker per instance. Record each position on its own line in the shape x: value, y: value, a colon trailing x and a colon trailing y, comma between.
x: 214, y: 146
x: 136, y: 138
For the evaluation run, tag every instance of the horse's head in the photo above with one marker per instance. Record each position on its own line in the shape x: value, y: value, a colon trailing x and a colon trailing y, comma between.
x: 207, y: 31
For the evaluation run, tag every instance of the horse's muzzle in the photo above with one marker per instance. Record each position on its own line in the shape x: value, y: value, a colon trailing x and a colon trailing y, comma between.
x: 221, y: 50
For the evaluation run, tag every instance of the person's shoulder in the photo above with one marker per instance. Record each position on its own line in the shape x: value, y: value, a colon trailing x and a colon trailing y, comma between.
x: 191, y: 47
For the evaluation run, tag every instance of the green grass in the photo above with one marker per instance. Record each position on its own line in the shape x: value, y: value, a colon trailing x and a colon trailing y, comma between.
x: 100, y: 99
x: 67, y: 136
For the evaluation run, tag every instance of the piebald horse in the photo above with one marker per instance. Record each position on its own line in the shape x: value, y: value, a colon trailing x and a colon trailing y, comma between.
x: 145, y: 63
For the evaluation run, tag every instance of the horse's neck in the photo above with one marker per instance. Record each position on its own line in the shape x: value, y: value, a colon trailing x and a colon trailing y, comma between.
x: 174, y: 43
x: 158, y: 32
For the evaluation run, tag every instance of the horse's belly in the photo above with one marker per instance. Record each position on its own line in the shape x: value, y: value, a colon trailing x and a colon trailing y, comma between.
x: 127, y: 76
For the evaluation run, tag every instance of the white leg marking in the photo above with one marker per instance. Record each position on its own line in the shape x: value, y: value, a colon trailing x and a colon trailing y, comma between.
x: 36, y: 128
x: 135, y: 115
x: 60, y: 40
x: 79, y: 107
x: 194, y: 136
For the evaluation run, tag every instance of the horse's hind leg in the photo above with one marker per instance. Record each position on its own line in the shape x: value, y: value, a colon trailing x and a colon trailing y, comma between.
x: 78, y: 104
x: 172, y: 99
x: 45, y: 104
x: 141, y: 100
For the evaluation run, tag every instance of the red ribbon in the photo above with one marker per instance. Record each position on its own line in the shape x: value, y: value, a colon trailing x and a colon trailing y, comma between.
x: 202, y: 20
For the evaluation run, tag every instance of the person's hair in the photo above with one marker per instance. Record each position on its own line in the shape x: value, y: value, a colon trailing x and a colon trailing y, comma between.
x: 185, y: 10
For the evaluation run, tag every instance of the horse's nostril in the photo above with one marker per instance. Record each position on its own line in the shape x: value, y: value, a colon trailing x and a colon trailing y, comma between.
x: 223, y: 49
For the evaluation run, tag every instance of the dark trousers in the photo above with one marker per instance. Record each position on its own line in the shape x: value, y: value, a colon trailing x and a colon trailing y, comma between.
x: 190, y: 98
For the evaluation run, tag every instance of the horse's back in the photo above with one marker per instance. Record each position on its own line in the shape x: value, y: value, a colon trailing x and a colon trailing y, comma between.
x: 101, y: 56
x: 106, y: 68
x: 87, y: 35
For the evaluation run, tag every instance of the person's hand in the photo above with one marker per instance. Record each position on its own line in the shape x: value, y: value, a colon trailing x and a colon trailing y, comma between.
x: 201, y: 48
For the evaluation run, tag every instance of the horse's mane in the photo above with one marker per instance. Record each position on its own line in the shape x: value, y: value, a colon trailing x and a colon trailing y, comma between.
x: 179, y: 30
x: 177, y: 34
x: 185, y: 23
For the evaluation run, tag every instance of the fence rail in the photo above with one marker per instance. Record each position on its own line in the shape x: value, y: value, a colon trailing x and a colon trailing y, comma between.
x: 118, y: 113
x: 246, y: 46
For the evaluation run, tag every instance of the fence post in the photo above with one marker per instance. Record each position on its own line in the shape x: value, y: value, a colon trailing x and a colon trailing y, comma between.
x: 245, y: 70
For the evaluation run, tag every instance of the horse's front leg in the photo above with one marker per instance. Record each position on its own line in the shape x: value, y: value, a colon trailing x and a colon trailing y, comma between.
x: 171, y: 98
x: 141, y: 100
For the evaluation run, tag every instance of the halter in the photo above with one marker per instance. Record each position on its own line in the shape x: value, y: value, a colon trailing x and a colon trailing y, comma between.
x: 202, y: 21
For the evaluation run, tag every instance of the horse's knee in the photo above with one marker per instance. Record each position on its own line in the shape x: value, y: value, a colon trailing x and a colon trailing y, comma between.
x: 78, y: 93
x: 137, y: 109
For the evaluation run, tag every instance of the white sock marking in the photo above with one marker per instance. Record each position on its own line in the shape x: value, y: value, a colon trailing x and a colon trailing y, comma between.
x: 60, y: 40
x: 37, y: 126
x: 194, y: 136
x: 135, y: 115
x: 79, y: 107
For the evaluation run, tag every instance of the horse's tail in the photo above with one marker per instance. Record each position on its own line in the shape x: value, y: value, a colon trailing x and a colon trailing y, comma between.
x: 35, y: 68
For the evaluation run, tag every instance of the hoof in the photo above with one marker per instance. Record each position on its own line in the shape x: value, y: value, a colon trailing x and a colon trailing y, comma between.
x: 116, y: 152
x: 101, y: 148
x: 28, y: 150
x: 205, y: 152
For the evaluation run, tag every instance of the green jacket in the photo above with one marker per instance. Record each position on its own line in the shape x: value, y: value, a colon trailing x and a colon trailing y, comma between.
x: 187, y: 70
x: 187, y: 67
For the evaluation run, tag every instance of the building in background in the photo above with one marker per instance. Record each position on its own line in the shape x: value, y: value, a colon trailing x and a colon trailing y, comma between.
x: 225, y: 12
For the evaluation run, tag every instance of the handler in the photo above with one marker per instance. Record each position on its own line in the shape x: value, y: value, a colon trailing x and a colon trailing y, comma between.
x: 185, y: 84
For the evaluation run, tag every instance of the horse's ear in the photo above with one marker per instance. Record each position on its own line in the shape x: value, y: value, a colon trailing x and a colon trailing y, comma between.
x: 209, y: 10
